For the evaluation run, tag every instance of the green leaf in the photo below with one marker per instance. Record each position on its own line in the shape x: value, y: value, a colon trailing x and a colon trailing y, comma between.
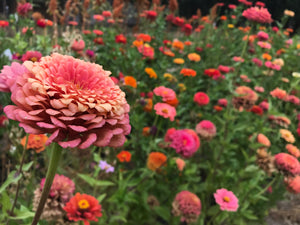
x: 249, y: 215
x: 26, y: 166
x: 213, y: 210
x: 101, y: 197
x: 5, y: 202
x: 23, y: 215
x: 11, y: 178
x: 162, y: 212
x: 93, y: 182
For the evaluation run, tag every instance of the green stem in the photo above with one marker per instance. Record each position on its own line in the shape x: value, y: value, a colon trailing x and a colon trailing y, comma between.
x: 269, y: 185
x: 55, y: 156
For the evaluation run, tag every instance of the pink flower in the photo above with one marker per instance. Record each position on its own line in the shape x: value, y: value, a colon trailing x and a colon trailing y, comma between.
x: 264, y: 44
x: 151, y: 15
x: 222, y: 102
x: 257, y: 61
x: 226, y: 200
x: 165, y: 110
x: 264, y: 105
x: 287, y: 163
x: 238, y: 59
x: 185, y: 142
x: 293, y: 184
x: 166, y: 93
x: 180, y: 163
x: 206, y: 129
x: 74, y: 101
x: 187, y: 29
x: 23, y: 8
x: 187, y: 205
x: 62, y: 187
x: 78, y: 45
x: 262, y: 36
x: 201, y: 98
x: 33, y: 56
x: 147, y: 51
x: 278, y: 93
x: 9, y: 75
x: 107, y: 14
x: 259, y: 15
x: 259, y: 89
x: 224, y: 69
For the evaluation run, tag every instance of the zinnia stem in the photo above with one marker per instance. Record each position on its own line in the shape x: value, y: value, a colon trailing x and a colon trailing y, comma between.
x: 55, y: 156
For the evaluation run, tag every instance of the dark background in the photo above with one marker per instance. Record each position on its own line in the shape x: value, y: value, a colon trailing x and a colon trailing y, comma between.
x: 187, y: 8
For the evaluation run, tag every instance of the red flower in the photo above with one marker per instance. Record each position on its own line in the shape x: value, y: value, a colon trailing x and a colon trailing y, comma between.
x: 214, y: 73
x: 83, y: 207
x: 3, y: 23
x: 99, y: 41
x: 287, y: 163
x: 120, y: 38
x: 124, y: 156
x: 257, y: 110
x: 201, y: 98
x: 151, y: 15
x: 187, y: 29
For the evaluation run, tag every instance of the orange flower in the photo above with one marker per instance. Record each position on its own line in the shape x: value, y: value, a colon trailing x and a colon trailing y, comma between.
x: 218, y: 108
x: 262, y: 139
x: 194, y: 57
x: 156, y: 160
x: 223, y: 17
x: 178, y: 60
x: 266, y: 56
x: 138, y: 43
x: 293, y: 150
x: 188, y: 72
x: 278, y: 93
x: 146, y: 131
x: 188, y: 43
x: 287, y: 135
x: 130, y: 81
x: 151, y: 72
x: 178, y: 45
x: 35, y: 141
x: 149, y: 105
x: 174, y: 102
x: 124, y: 156
x: 143, y: 37
x: 250, y: 38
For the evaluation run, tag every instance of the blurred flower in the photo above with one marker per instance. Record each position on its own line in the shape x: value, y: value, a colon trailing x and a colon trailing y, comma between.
x: 151, y: 72
x: 107, y: 14
x: 201, y: 98
x: 226, y: 200
x: 187, y: 205
x: 259, y: 15
x: 246, y: 98
x: 23, y: 8
x: 105, y: 166
x: 257, y: 61
x: 293, y: 150
x: 213, y: 73
x: 178, y: 45
x: 206, y: 129
x: 83, y: 207
x: 165, y: 93
x: 185, y: 142
x: 165, y: 110
x: 262, y: 36
x: 178, y: 60
x: 90, y: 53
x: 78, y: 45
x: 262, y: 139
x: 296, y: 74
x: 178, y: 21
x: 280, y: 120
x: 148, y: 105
x: 187, y: 29
x: 120, y: 38
x: 151, y: 15
x: 143, y: 37
x: 156, y: 160
x: 33, y: 56
x: 194, y: 57
x: 147, y: 51
x: 259, y: 89
x: 264, y: 105
x: 180, y: 163
x: 287, y: 163
x: 4, y: 23
x: 3, y: 120
x: 272, y: 65
x: 99, y: 41
x: 222, y: 102
x: 98, y: 32
x: 74, y: 101
x: 124, y: 156
x: 9, y: 74
x: 222, y: 69
x: 278, y: 93
x: 170, y: 77
x: 36, y: 142
x: 292, y: 184
x: 98, y: 17
x: 238, y: 59
x: 73, y: 23
x: 289, y: 13
x: 287, y: 135
x: 264, y: 44
x: 188, y: 72
x: 265, y: 161
x: 257, y: 110
x: 44, y: 22
x: 181, y: 87
x: 130, y: 81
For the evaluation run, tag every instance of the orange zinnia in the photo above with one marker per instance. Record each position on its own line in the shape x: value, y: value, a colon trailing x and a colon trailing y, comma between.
x: 188, y: 72
x: 194, y: 57
x: 178, y: 45
x: 35, y: 141
x: 266, y: 56
x: 130, y: 81
x: 151, y: 72
x: 149, y: 105
x: 156, y: 160
x: 124, y: 156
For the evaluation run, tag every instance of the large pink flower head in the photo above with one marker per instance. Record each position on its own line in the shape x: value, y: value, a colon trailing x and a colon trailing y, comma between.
x: 206, y: 129
x: 9, y: 75
x: 226, y: 200
x: 62, y: 188
x: 185, y: 142
x: 259, y: 15
x: 287, y: 163
x: 75, y: 101
x: 187, y: 205
x: 166, y: 93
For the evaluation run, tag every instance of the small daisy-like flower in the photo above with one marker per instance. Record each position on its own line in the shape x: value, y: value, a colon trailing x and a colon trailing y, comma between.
x: 106, y: 167
x: 226, y: 200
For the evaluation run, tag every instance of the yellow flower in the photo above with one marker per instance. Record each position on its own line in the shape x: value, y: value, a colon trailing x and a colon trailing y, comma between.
x: 296, y: 74
x: 178, y: 60
x: 194, y: 57
x: 182, y: 87
x: 287, y: 135
x: 169, y: 77
x: 151, y: 72
x: 230, y: 25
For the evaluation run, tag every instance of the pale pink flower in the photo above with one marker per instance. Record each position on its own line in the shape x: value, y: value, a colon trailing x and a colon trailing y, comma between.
x: 287, y: 163
x: 9, y: 75
x: 187, y: 205
x: 206, y: 129
x: 74, y: 101
x: 278, y: 93
x: 259, y: 89
x: 238, y: 59
x: 226, y: 200
x: 259, y: 15
x: 264, y: 105
x: 165, y: 110
x: 166, y: 93
x: 180, y: 163
x: 272, y: 65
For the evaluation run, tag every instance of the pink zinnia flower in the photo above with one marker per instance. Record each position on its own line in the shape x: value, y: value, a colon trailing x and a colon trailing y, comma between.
x: 185, y: 142
x: 187, y: 205
x: 147, y: 51
x: 279, y: 93
x: 201, y: 98
x: 78, y: 45
x: 224, y: 69
x: 259, y: 89
x: 165, y: 110
x: 257, y: 61
x: 264, y: 44
x: 23, y: 8
x: 293, y: 150
x: 62, y: 187
x: 287, y: 163
x: 206, y: 129
x: 293, y: 184
x: 259, y: 15
x: 238, y: 59
x: 166, y: 93
x: 74, y: 101
x: 226, y: 200
x: 33, y: 56
x: 262, y: 36
x: 9, y: 75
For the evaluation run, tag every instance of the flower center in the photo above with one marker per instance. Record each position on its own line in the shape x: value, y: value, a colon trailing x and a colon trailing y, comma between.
x: 226, y: 199
x: 83, y: 204
x: 33, y: 59
x: 165, y: 111
x: 184, y: 142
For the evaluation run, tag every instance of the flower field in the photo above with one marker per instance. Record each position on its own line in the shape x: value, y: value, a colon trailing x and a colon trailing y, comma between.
x: 170, y: 120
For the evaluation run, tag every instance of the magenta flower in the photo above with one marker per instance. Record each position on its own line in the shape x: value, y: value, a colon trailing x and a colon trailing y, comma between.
x: 74, y: 101
x: 226, y: 200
